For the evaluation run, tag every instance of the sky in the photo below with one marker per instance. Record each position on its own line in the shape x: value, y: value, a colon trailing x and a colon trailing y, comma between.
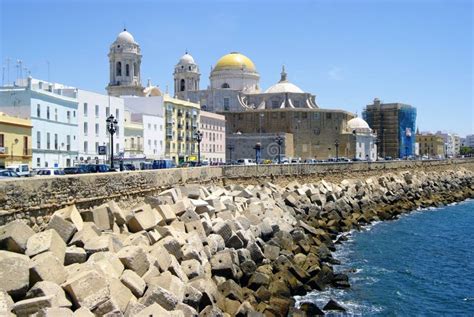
x: 347, y: 53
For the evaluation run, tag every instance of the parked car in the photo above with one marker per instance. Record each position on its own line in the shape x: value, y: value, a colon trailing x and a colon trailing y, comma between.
x: 246, y: 162
x: 50, y: 172
x: 20, y: 169
x: 74, y: 170
x: 102, y: 168
x: 146, y: 165
x: 5, y: 173
x: 129, y: 167
x: 88, y: 168
x: 159, y: 164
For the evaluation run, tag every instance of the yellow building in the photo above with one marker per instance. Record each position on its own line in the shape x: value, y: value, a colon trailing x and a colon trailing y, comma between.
x: 133, y: 133
x: 182, y: 122
x: 15, y: 141
x: 431, y: 145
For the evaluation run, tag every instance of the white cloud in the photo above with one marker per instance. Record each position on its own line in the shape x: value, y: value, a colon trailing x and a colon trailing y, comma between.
x: 335, y: 73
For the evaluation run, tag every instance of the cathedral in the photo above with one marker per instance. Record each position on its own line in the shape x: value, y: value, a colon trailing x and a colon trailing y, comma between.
x: 235, y: 86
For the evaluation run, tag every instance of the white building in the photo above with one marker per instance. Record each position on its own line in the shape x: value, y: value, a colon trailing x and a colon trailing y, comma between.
x: 365, y: 139
x: 53, y: 111
x: 213, y: 145
x: 149, y: 111
x: 93, y: 111
x: 451, y: 143
x: 469, y: 141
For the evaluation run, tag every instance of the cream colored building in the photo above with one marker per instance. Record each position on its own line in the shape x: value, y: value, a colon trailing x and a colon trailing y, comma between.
x: 182, y: 122
x: 431, y: 145
x: 213, y: 145
x: 133, y: 133
x: 15, y: 141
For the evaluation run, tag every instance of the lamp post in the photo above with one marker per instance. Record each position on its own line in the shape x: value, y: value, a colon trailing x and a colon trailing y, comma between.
x: 336, y: 144
x: 230, y: 147
x: 59, y: 153
x: 198, y: 135
x: 112, y: 125
x: 354, y: 132
x: 279, y: 141
x: 257, y: 148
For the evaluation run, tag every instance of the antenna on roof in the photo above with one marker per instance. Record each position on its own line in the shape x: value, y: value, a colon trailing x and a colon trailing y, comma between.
x: 124, y: 26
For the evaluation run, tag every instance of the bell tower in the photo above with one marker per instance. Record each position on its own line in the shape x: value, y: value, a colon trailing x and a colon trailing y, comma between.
x: 124, y: 62
x: 186, y: 76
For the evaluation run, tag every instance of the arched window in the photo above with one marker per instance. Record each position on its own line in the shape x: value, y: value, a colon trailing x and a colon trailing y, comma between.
x: 225, y: 85
x: 135, y: 69
x: 182, y: 85
x: 127, y: 70
x: 119, y: 69
x: 189, y: 68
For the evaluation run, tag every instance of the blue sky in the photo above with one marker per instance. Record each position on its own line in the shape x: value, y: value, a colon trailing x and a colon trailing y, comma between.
x: 345, y: 52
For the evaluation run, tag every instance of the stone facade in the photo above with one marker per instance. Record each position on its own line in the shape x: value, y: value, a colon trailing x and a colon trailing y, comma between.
x: 243, y: 146
x: 431, y: 145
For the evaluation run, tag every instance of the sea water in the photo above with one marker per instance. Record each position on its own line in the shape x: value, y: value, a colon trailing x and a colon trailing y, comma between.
x: 421, y: 264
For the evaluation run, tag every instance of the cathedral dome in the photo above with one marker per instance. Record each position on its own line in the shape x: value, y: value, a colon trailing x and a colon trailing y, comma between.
x: 284, y: 85
x: 186, y: 59
x: 358, y: 124
x: 235, y: 60
x: 125, y: 37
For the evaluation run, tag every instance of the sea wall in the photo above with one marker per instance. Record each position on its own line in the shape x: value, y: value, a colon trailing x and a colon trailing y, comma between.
x: 39, y: 196
x: 206, y: 250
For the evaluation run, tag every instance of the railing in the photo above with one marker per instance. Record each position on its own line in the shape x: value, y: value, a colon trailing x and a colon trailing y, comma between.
x: 27, y: 152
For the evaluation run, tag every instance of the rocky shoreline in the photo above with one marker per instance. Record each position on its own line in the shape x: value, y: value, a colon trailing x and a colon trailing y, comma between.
x: 204, y: 250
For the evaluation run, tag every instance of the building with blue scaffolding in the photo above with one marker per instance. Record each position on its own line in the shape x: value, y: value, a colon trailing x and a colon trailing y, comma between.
x: 395, y: 125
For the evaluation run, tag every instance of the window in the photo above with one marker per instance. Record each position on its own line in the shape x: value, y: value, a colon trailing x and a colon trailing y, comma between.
x: 38, y: 139
x: 74, y: 113
x: 85, y: 109
x: 85, y: 128
x: 118, y: 69
x: 2, y: 140
x: 117, y: 148
x: 68, y: 143
x: 55, y: 141
x: 149, y: 126
x: 149, y: 142
x: 56, y: 114
x: 96, y: 111
x: 127, y: 70
x: 86, y: 146
x: 47, y: 113
x: 225, y: 85
x: 96, y: 129
x: 38, y: 162
x: 107, y: 112
x: 68, y: 116
x: 48, y: 141
x: 161, y: 127
x: 182, y: 85
x: 38, y: 110
x: 117, y: 112
x: 97, y: 147
x: 155, y: 143
x: 328, y: 115
x: 226, y: 103
x: 155, y: 127
x: 275, y: 104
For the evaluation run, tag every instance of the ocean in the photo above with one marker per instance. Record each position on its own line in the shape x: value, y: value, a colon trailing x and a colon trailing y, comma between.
x: 421, y: 264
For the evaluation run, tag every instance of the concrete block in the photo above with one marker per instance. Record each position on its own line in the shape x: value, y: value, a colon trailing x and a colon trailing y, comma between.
x: 167, y: 213
x: 192, y: 268
x: 14, y: 235
x: 48, y: 240
x: 171, y: 283
x: 192, y: 296
x: 48, y: 288
x: 231, y: 290
x: 172, y: 245
x: 215, y: 242
x: 66, y: 222
x: 89, y: 231
x: 75, y: 255
x: 160, y: 296
x: 83, y: 312
x: 176, y: 270
x: 88, y: 289
x: 191, y: 191
x: 121, y: 215
x: 186, y: 310
x: 120, y: 295
x: 14, y: 273
x: 135, y: 259
x: 196, y: 225
x: 144, y: 218
x: 224, y: 263
x: 103, y: 243
x: 31, y: 306
x: 134, y: 282
x: 55, y: 312
x: 234, y: 242
x: 223, y: 229
x: 47, y: 267
x: 163, y: 258
x: 255, y: 252
x: 102, y: 216
x: 189, y: 216
x: 271, y: 252
x: 107, y: 262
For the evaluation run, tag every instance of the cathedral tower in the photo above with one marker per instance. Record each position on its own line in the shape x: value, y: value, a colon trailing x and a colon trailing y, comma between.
x: 125, y: 60
x: 186, y: 76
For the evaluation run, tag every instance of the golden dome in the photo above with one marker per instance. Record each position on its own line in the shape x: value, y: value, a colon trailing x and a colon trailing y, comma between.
x: 234, y: 60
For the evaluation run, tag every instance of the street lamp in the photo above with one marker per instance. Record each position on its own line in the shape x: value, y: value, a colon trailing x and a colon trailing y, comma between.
x: 112, y: 125
x: 336, y: 144
x: 257, y: 148
x: 198, y: 135
x: 279, y: 140
x: 59, y: 152
x: 230, y: 147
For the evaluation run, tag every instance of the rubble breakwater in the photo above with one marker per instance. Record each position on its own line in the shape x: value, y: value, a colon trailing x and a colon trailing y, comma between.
x: 204, y: 250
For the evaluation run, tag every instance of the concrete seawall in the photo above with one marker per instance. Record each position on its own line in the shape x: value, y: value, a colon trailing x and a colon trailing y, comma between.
x: 39, y: 196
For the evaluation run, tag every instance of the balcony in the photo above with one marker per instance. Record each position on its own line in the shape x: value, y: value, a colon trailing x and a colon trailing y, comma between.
x: 27, y: 152
x: 3, y: 151
x: 180, y: 125
x: 188, y: 115
x: 180, y: 138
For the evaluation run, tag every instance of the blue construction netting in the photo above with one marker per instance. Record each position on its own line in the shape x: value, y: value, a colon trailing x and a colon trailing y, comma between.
x: 406, y: 131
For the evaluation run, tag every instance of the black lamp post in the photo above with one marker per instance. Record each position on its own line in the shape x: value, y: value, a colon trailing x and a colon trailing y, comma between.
x: 279, y: 141
x: 257, y: 148
x: 198, y: 135
x: 230, y: 147
x: 336, y: 144
x: 377, y: 142
x: 112, y: 125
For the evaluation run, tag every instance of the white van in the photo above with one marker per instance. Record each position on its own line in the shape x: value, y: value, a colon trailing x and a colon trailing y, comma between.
x: 20, y: 169
x: 246, y: 162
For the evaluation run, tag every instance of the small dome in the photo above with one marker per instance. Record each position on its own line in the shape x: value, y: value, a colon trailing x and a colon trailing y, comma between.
x: 125, y: 37
x: 284, y: 87
x: 186, y: 59
x: 358, y: 124
x: 235, y: 60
